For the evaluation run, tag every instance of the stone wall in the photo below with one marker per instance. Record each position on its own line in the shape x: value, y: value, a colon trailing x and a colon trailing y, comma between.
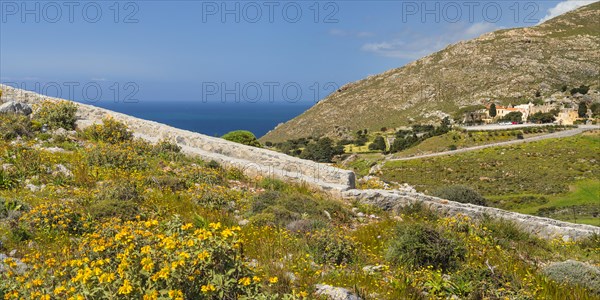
x: 542, y: 227
x: 253, y: 161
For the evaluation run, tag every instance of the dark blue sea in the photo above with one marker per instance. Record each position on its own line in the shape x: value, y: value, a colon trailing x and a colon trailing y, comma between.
x: 213, y: 119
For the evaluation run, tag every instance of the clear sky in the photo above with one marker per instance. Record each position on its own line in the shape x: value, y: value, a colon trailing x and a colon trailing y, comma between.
x: 244, y: 50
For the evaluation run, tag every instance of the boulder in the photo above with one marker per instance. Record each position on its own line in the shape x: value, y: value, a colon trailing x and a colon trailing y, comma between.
x: 575, y: 273
x: 335, y: 293
x: 16, y: 107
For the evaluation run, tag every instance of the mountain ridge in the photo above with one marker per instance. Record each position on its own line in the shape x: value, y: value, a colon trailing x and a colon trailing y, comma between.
x: 507, y: 66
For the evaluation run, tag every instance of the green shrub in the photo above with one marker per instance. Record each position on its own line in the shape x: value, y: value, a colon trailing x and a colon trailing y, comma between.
x: 111, y: 131
x: 575, y: 273
x: 165, y: 146
x: 509, y: 232
x: 292, y: 206
x: 8, y: 180
x: 119, y: 199
x: 332, y: 249
x: 168, y: 183
x: 418, y: 210
x: 13, y: 126
x: 272, y: 184
x: 59, y: 114
x: 417, y: 245
x: 115, y: 157
x: 460, y: 193
x: 109, y: 208
x: 212, y: 199
x: 12, y: 208
x: 378, y: 144
x: 242, y: 137
x: 263, y: 219
x: 121, y: 191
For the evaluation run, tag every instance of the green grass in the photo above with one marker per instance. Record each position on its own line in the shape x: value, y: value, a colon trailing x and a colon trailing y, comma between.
x: 363, y: 164
x: 461, y: 139
x: 548, y: 174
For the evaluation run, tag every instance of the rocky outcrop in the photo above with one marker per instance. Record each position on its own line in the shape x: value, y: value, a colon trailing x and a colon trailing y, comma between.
x: 543, y: 227
x: 16, y: 107
x: 334, y: 293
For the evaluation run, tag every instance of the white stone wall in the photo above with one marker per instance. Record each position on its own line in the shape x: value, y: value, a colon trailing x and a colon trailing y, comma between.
x: 542, y: 227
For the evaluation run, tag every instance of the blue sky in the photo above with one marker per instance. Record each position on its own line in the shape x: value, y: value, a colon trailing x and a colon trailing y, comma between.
x: 174, y: 50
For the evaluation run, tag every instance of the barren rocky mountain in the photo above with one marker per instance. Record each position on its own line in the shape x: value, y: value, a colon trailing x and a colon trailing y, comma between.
x: 506, y: 66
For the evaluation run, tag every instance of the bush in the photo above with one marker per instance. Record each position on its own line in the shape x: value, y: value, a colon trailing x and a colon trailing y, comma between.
x: 13, y: 126
x: 417, y: 246
x: 242, y: 137
x: 115, y: 157
x: 378, y: 144
x: 108, y: 208
x: 8, y: 179
x: 54, y: 217
x: 460, y: 193
x: 575, y: 273
x: 141, y: 260
x: 166, y: 182
x: 122, y: 191
x: 293, y: 206
x: 165, y: 146
x: 12, y: 208
x: 59, y: 114
x: 322, y: 150
x: 111, y: 131
x: 333, y: 249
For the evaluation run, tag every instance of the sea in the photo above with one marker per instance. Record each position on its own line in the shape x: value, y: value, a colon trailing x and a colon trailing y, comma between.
x: 214, y: 119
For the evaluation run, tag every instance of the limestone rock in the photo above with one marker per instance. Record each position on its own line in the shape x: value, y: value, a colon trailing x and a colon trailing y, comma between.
x: 335, y: 293
x: 16, y: 107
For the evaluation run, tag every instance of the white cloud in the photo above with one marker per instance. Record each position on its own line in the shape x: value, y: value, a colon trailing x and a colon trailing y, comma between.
x: 565, y: 6
x: 416, y: 45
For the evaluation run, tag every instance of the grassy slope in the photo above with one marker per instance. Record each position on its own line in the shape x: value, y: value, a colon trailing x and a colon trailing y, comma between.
x: 168, y: 184
x: 564, y: 172
x: 460, y: 140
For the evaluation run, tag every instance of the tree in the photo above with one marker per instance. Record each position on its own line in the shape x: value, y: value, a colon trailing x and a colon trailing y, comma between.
x: 595, y: 107
x: 242, y: 137
x: 322, y: 151
x: 513, y: 116
x: 540, y: 117
x: 493, y: 111
x: 378, y: 144
x: 582, y: 109
x: 582, y: 89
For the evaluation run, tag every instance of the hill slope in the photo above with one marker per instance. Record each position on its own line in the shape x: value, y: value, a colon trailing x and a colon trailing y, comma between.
x: 508, y: 66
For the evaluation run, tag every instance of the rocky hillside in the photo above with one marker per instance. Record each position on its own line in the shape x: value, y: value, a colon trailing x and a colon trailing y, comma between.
x: 507, y: 66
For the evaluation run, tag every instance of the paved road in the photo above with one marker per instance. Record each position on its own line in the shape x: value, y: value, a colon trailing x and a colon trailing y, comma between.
x: 559, y: 134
